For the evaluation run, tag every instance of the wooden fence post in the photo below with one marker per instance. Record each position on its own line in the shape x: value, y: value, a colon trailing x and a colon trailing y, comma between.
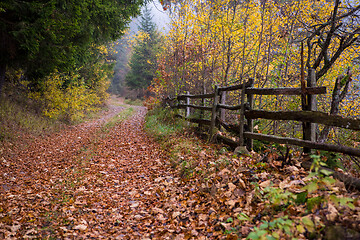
x: 202, y: 112
x: 312, y: 103
x: 222, y: 101
x: 187, y: 100
x: 214, y: 113
x: 242, y: 116
x: 250, y: 99
x: 309, y: 129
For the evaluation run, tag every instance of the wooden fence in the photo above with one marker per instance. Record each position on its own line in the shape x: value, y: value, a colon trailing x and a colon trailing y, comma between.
x: 308, y: 116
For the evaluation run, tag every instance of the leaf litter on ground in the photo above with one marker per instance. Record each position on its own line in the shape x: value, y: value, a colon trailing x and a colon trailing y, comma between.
x: 84, y: 183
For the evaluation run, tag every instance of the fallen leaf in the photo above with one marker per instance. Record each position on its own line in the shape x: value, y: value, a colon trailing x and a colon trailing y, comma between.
x: 135, y: 204
x: 80, y: 227
x: 265, y: 184
x: 333, y: 212
x: 231, y: 186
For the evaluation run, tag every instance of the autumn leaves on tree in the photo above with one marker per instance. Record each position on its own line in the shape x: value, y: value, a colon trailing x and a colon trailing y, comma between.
x: 226, y: 42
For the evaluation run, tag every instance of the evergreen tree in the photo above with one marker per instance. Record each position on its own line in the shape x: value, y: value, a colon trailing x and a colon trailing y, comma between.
x: 143, y: 62
x: 41, y: 36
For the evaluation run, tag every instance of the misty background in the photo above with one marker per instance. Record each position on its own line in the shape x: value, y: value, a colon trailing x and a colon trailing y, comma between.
x: 123, y: 50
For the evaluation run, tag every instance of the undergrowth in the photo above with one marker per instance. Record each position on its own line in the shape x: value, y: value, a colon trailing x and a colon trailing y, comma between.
x: 162, y: 123
x: 136, y: 102
x: 262, y: 199
x: 17, y: 118
x: 22, y: 118
x: 169, y: 131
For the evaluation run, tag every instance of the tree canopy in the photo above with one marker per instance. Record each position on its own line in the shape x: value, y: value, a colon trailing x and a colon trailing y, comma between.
x: 40, y: 36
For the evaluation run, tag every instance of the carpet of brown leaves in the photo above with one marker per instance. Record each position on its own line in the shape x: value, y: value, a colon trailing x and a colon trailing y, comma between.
x: 83, y: 183
x: 86, y: 183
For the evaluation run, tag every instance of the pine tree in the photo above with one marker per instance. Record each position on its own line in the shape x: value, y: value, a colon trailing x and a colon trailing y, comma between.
x: 41, y: 36
x: 143, y: 62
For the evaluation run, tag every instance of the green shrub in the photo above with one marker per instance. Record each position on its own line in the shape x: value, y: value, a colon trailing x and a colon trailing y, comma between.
x: 136, y: 102
x: 18, y: 116
x: 161, y: 123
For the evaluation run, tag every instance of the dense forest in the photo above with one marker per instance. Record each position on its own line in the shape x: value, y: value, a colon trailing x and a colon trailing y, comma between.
x: 57, y: 52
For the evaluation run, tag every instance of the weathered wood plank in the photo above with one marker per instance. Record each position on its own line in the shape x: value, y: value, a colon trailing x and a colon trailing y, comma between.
x: 184, y: 96
x: 194, y: 106
x: 285, y: 91
x: 235, y: 87
x: 236, y: 107
x: 214, y: 113
x: 230, y: 127
x: 304, y: 143
x: 227, y: 141
x: 309, y: 129
x: 306, y: 116
x: 242, y: 118
x: 187, y: 109
x: 250, y: 122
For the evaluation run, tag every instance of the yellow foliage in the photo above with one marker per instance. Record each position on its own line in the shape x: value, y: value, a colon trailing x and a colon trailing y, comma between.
x: 220, y: 42
x: 71, y: 101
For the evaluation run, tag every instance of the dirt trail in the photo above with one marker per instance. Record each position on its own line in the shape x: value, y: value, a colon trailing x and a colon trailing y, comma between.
x: 86, y: 182
x: 98, y: 181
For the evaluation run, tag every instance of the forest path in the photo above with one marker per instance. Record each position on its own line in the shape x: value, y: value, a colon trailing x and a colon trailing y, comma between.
x: 88, y: 181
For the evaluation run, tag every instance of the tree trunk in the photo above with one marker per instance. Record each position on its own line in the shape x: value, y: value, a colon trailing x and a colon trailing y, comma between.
x: 340, y: 90
x: 2, y: 77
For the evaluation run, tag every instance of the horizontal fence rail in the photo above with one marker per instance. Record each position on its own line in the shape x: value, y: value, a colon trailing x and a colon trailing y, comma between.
x: 308, y: 116
x: 236, y: 87
x: 286, y: 91
x: 194, y: 106
x: 304, y: 143
x: 236, y: 107
x: 182, y: 97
